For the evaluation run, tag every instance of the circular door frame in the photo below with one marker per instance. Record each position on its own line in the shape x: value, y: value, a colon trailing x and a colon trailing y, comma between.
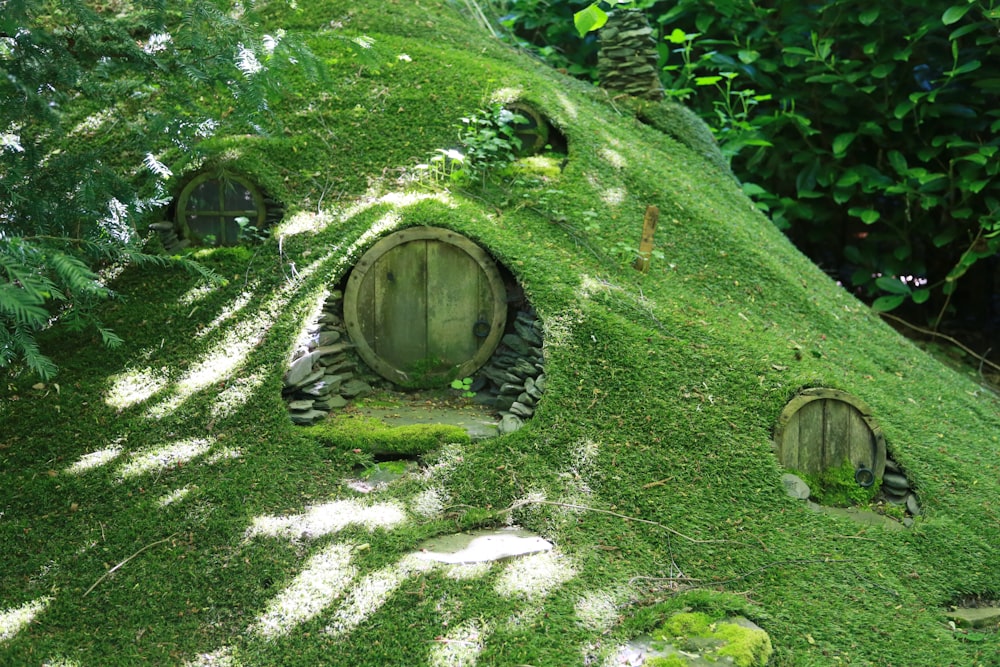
x: 824, y: 393
x: 400, y: 237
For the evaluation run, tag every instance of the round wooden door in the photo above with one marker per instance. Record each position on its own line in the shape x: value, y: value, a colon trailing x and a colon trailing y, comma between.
x: 825, y: 428
x: 425, y: 306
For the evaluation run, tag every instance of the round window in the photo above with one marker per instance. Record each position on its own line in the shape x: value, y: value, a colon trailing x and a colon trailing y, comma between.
x: 220, y: 210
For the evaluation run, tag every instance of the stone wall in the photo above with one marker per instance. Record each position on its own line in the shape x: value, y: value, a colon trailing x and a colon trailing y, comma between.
x: 322, y: 377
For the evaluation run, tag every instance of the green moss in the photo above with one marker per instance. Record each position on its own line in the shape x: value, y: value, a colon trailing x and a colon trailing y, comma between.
x: 746, y: 646
x: 350, y: 432
x: 668, y: 661
x: 691, y: 624
x: 836, y: 487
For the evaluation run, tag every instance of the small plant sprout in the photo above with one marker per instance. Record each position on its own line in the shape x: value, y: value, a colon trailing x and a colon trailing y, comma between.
x: 465, y: 386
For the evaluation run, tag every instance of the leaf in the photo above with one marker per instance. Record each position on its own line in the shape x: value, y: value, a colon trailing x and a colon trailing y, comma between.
x: 955, y: 13
x: 883, y: 70
x: 897, y: 161
x: 921, y: 295
x: 868, y: 17
x: 867, y: 215
x: 885, y: 303
x: 678, y: 36
x: 842, y: 142
x: 707, y: 80
x: 892, y: 285
x: 589, y: 19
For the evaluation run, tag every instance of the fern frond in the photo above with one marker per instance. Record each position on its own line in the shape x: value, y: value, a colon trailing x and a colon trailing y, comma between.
x: 22, y: 307
x: 75, y: 274
x: 23, y: 342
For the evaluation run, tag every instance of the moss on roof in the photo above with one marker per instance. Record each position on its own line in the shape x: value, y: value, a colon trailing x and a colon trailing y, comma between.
x: 663, y: 390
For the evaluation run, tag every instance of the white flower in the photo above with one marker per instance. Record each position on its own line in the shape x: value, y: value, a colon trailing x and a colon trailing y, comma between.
x: 405, y: 58
x: 157, y: 42
x: 247, y: 61
x: 11, y: 141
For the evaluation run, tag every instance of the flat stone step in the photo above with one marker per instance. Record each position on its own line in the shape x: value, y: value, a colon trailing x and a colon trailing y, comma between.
x: 976, y: 617
x: 483, y: 546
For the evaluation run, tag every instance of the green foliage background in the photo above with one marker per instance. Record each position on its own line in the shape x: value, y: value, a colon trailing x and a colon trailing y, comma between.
x: 867, y: 132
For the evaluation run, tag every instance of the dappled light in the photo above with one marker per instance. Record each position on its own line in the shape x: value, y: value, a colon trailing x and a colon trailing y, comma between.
x: 613, y: 157
x: 230, y: 310
x: 613, y: 196
x: 14, y: 620
x: 238, y: 391
x: 460, y: 647
x: 174, y: 496
x: 95, y: 459
x: 134, y: 386
x: 196, y: 294
x: 535, y: 576
x: 327, y: 518
x: 322, y: 581
x: 222, y: 657
x: 371, y: 592
x: 164, y: 457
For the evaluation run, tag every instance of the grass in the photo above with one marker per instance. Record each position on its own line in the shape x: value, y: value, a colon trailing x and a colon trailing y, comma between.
x: 157, y: 507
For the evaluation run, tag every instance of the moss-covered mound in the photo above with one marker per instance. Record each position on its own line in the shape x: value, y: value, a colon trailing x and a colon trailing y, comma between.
x: 158, y: 506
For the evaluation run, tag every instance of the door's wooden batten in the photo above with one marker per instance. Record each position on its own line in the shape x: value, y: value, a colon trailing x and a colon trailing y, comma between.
x: 425, y: 305
x: 825, y: 428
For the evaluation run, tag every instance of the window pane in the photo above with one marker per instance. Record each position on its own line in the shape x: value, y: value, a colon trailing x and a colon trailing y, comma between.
x: 238, y: 198
x: 205, y: 197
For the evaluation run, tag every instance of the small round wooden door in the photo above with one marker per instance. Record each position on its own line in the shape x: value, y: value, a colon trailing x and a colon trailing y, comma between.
x: 825, y: 428
x: 424, y: 306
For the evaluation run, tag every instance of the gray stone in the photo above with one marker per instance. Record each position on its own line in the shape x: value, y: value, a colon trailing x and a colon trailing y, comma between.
x: 336, y: 362
x: 795, y: 486
x: 336, y: 348
x: 892, y: 466
x: 895, y: 481
x: 511, y: 389
x: 482, y: 546
x: 301, y: 405
x: 528, y: 333
x: 525, y: 399
x: 335, y: 296
x: 354, y: 388
x: 315, y: 376
x: 328, y: 318
x: 912, y: 506
x: 510, y: 423
x: 331, y: 402
x: 163, y: 226
x: 516, y: 343
x: 327, y: 338
x: 521, y: 410
x: 504, y: 402
x: 300, y: 369
x: 316, y: 390
x: 976, y: 617
x: 540, y: 383
x: 307, y: 418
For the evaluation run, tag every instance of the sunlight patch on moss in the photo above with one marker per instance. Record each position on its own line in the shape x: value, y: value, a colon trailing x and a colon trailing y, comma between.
x: 460, y: 647
x: 196, y: 294
x: 429, y: 503
x: 597, y: 611
x: 14, y: 620
x: 223, y: 454
x: 369, y: 594
x: 238, y: 391
x: 568, y: 105
x: 222, y: 657
x: 506, y: 95
x: 613, y: 196
x: 322, y: 581
x: 466, y: 571
x: 533, y: 577
x: 613, y: 157
x: 95, y: 459
x: 174, y: 496
x: 133, y: 387
x: 229, y: 311
x: 61, y: 662
x: 303, y: 222
x: 327, y: 518
x: 162, y: 458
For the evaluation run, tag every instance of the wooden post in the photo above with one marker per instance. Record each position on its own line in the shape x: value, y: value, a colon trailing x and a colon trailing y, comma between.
x: 646, y: 243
